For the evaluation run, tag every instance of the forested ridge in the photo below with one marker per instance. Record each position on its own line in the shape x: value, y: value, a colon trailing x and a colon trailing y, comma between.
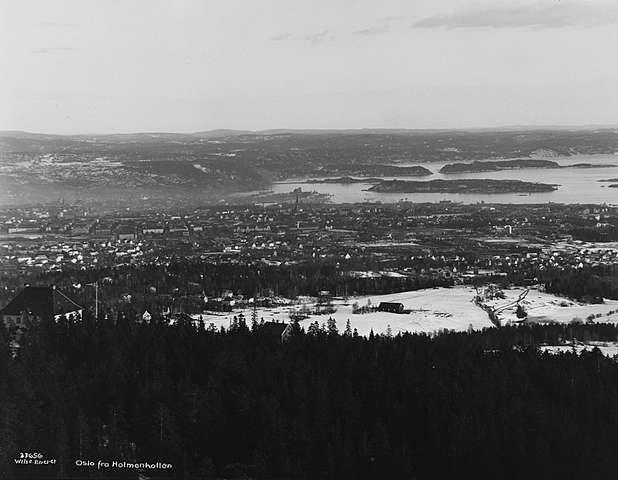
x: 324, y: 404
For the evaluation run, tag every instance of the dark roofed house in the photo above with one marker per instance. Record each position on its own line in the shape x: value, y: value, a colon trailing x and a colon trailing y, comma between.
x: 391, y: 307
x: 39, y: 303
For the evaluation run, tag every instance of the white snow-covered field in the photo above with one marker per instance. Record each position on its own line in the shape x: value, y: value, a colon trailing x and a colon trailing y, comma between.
x: 609, y: 349
x: 545, y: 308
x: 433, y: 310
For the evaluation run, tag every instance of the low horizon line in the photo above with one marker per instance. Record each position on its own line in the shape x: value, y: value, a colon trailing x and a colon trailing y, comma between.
x: 326, y: 130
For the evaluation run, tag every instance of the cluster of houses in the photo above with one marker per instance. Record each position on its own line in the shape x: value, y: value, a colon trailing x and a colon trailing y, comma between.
x: 39, y: 303
x: 36, y: 304
x: 442, y: 240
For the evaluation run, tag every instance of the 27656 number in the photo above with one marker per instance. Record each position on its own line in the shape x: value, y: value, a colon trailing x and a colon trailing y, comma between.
x: 35, y: 455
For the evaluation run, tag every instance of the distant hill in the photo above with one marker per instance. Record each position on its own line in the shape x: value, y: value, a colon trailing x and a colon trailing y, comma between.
x: 213, y: 163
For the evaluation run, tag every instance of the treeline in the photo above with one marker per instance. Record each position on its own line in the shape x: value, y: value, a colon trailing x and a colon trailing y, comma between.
x: 586, y: 285
x: 592, y: 234
x: 323, y: 404
x: 184, y: 282
x: 186, y: 277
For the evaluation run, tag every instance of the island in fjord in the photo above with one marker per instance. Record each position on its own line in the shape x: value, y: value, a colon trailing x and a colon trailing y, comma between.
x: 344, y: 180
x: 494, y: 166
x: 380, y: 170
x: 612, y: 181
x: 515, y: 164
x: 469, y: 185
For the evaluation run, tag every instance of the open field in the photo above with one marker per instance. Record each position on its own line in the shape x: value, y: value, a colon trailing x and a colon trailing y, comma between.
x: 609, y: 349
x: 433, y: 310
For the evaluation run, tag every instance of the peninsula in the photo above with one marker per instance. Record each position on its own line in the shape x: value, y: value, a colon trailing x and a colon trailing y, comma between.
x: 479, y: 185
x: 343, y: 180
x: 516, y: 164
x: 379, y: 170
x: 494, y: 166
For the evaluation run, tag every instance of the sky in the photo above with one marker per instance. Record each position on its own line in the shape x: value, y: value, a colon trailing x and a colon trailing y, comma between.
x: 107, y: 66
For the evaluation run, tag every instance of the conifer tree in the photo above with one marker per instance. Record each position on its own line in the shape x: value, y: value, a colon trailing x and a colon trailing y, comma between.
x: 348, y: 329
x: 331, y: 326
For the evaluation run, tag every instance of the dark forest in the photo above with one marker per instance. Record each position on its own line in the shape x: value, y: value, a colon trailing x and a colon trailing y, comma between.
x: 243, y: 403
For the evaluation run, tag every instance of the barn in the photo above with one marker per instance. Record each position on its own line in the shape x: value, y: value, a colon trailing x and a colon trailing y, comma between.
x: 391, y: 307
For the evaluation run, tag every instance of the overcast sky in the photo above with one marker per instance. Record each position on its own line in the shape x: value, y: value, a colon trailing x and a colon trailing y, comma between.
x: 86, y: 66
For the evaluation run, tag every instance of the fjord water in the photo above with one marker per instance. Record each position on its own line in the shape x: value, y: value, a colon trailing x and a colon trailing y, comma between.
x: 576, y: 185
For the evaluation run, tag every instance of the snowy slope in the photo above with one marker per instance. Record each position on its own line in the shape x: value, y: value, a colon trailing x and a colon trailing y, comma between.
x: 434, y: 310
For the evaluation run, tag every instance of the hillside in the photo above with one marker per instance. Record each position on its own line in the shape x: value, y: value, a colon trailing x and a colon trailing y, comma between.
x: 209, y: 165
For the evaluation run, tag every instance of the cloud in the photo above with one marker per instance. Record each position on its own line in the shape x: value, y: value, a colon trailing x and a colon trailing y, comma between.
x: 383, y: 25
x: 281, y: 37
x: 391, y: 18
x: 47, y: 50
x: 556, y: 15
x: 375, y: 30
x: 313, y: 38
x: 320, y: 37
